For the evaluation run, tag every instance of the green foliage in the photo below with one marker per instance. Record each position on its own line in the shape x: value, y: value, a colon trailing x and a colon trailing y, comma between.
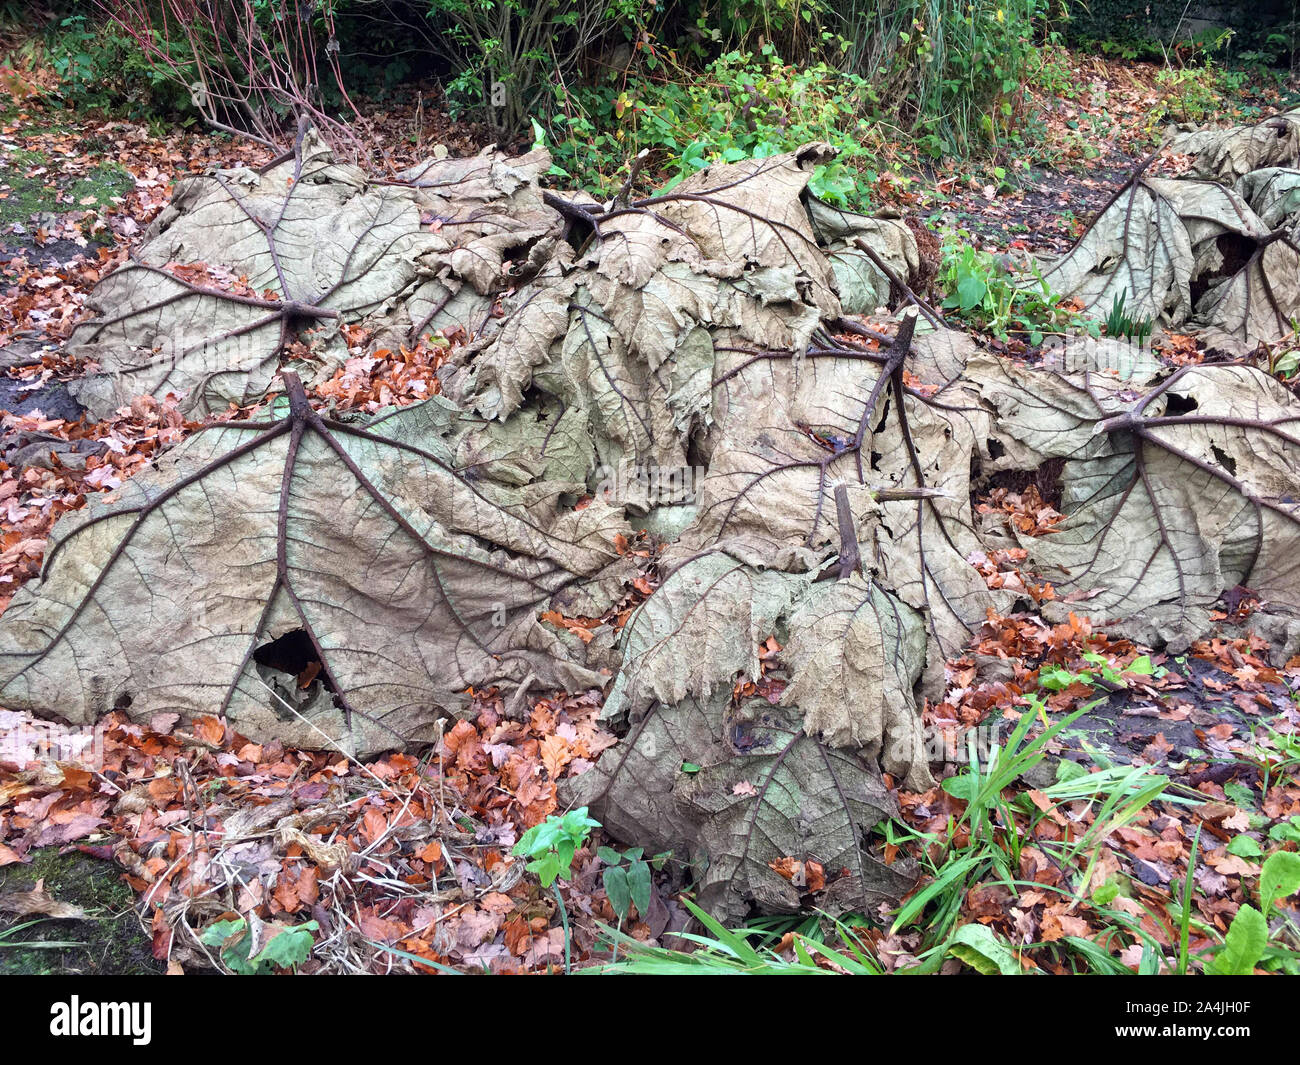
x: 747, y: 951
x: 1056, y: 678
x: 977, y: 946
x: 1119, y: 324
x: 1243, y: 946
x: 1287, y: 831
x: 627, y: 880
x: 952, y: 70
x: 796, y: 27
x: 993, y: 839
x: 234, y: 940
x: 951, y: 74
x: 1279, y: 878
x: 8, y: 938
x: 101, y: 67
x: 1189, y: 94
x: 1284, y: 360
x: 982, y: 289
x: 528, y: 49
x: 1247, y: 943
x: 550, y: 846
x: 1053, y: 75
x: 742, y: 107
x: 988, y: 852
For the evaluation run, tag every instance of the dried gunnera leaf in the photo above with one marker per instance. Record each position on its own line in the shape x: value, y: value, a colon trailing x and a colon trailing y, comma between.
x: 628, y: 332
x: 734, y: 788
x: 309, y: 578
x: 494, y: 231
x: 1139, y: 247
x: 701, y: 628
x: 242, y: 261
x: 1171, y: 493
x: 855, y: 653
x: 328, y: 582
x: 1182, y: 250
x: 1229, y: 154
x: 1273, y: 194
x: 861, y: 280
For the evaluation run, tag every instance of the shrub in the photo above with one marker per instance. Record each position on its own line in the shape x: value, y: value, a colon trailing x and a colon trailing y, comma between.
x: 952, y: 69
x: 742, y: 107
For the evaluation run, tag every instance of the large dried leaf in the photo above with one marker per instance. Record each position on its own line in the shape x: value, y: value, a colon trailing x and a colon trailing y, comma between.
x: 1184, y: 250
x: 863, y: 286
x: 734, y: 789
x: 628, y: 332
x: 699, y: 631
x: 796, y: 434
x: 1229, y: 154
x: 402, y: 579
x: 242, y: 261
x: 855, y: 654
x: 1172, y: 493
x: 324, y: 581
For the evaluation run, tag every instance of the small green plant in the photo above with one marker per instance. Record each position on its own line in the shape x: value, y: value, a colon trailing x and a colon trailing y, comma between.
x: 1275, y: 753
x: 983, y: 290
x: 234, y: 941
x: 1119, y: 324
x: 627, y: 880
x: 549, y: 848
x: 551, y: 845
x: 1247, y: 942
x: 1057, y: 678
x: 7, y: 938
x: 1284, y: 358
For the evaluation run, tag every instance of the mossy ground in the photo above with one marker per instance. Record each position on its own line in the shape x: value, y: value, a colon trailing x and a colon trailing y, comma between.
x: 24, y: 194
x: 112, y: 943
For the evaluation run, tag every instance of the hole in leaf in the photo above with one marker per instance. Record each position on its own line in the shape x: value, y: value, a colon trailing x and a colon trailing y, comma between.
x: 1236, y: 251
x: 1046, y: 478
x: 884, y: 416
x: 1224, y: 459
x: 293, y: 653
